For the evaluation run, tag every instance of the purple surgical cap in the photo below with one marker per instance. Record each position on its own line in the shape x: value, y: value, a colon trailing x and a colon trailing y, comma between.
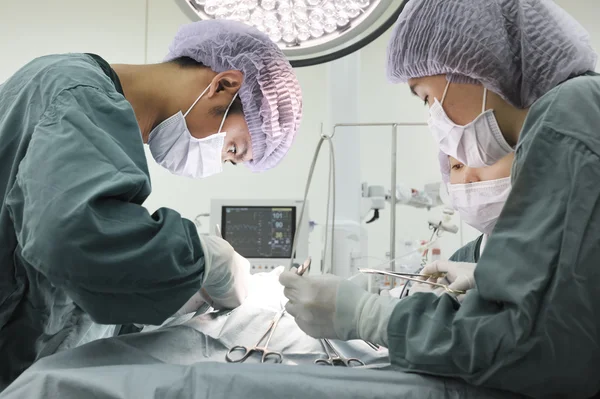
x: 270, y: 93
x: 519, y: 49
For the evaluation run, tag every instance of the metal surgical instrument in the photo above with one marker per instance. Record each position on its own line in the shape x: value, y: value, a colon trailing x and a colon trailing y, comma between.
x: 335, y: 359
x: 277, y: 357
x: 414, y: 277
x: 246, y: 351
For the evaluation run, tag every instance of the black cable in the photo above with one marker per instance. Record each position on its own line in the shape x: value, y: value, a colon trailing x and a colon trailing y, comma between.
x: 403, y: 289
x: 375, y: 216
x: 353, y: 47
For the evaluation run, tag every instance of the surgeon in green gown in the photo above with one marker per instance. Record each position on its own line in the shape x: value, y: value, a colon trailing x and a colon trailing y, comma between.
x: 79, y: 253
x: 478, y: 195
x: 497, y: 76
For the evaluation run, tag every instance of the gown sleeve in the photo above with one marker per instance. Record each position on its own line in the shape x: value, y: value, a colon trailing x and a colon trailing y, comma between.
x: 79, y: 220
x: 468, y: 253
x: 532, y: 325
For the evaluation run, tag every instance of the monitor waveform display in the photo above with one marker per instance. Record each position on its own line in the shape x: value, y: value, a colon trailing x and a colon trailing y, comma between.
x: 259, y: 232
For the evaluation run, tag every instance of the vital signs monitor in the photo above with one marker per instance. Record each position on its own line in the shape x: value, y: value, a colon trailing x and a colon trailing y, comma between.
x: 262, y: 231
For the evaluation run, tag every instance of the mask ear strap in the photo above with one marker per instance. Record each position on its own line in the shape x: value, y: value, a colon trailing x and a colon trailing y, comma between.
x: 226, y: 112
x: 484, y: 100
x: 198, y: 99
x: 445, y: 92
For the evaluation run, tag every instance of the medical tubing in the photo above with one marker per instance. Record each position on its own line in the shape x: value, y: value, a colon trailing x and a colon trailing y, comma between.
x: 332, y: 152
x: 329, y: 191
x: 404, y: 289
x: 331, y: 183
x: 306, y: 188
x: 388, y: 262
x: 327, y: 209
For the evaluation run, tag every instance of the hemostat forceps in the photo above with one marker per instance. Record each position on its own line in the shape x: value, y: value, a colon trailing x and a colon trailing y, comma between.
x: 335, y: 359
x: 415, y: 277
x: 246, y: 351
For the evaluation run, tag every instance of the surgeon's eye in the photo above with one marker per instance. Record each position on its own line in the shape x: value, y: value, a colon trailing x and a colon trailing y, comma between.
x: 426, y: 101
x: 232, y: 150
x: 457, y: 166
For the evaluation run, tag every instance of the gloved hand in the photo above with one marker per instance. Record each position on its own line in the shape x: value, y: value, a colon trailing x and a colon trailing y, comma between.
x: 328, y: 306
x: 459, y: 275
x: 226, y: 274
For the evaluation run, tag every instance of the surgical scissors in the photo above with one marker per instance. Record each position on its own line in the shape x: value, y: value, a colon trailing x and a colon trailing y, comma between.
x: 414, y: 277
x: 335, y: 359
x: 266, y: 353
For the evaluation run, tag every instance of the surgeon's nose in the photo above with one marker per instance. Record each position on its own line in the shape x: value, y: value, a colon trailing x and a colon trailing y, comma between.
x: 470, y: 175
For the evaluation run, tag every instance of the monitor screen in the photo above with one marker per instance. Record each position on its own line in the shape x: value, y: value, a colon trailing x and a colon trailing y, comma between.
x: 259, y: 231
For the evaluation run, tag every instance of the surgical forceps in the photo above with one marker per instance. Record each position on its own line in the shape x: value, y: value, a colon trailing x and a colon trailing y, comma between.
x: 304, y: 267
x: 277, y: 357
x: 415, y: 277
x: 266, y: 353
x: 335, y: 359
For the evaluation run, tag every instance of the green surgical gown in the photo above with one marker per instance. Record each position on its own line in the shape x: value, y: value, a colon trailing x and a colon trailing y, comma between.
x: 79, y: 251
x: 532, y: 325
x: 469, y: 252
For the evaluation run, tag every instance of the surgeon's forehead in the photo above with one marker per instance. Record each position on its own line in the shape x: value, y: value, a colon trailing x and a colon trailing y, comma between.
x: 416, y: 84
x: 413, y: 85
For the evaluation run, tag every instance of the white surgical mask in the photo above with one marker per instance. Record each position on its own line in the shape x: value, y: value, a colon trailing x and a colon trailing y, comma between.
x: 477, y: 144
x: 480, y: 204
x: 174, y: 148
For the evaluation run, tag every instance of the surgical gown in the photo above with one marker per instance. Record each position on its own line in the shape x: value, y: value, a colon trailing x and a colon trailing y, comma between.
x: 532, y: 325
x: 469, y: 252
x: 79, y: 252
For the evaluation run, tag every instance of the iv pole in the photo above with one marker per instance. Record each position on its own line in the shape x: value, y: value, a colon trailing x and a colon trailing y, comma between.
x: 394, y: 156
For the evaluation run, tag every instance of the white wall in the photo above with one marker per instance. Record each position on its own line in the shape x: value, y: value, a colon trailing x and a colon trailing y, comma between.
x: 417, y: 154
x: 29, y: 29
x: 138, y: 31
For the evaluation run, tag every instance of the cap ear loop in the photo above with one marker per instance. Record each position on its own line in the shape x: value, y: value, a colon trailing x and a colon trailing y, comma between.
x: 227, y: 111
x: 484, y: 96
x: 485, y: 91
x: 445, y: 92
x: 195, y: 102
x: 484, y: 100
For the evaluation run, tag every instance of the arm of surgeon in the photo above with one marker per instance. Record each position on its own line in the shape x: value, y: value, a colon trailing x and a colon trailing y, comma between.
x: 78, y: 214
x: 532, y: 325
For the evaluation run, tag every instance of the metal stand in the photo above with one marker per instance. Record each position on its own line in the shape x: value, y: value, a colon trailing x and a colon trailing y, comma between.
x: 394, y: 155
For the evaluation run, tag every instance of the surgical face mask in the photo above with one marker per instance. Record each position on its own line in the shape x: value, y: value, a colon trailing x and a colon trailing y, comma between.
x: 478, y: 144
x: 479, y: 204
x: 174, y: 148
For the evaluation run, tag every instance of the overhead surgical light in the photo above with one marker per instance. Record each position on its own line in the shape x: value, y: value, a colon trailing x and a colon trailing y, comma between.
x: 309, y: 32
